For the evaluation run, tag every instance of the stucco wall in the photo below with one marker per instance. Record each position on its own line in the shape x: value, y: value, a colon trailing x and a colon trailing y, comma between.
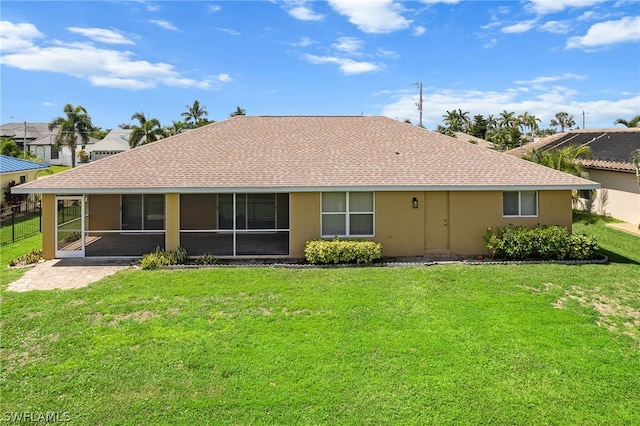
x: 398, y: 226
x: 48, y: 226
x: 305, y: 220
x: 471, y: 213
x: 619, y: 196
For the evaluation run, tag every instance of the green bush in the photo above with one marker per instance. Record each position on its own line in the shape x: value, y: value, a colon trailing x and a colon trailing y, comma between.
x: 159, y: 258
x: 342, y: 251
x: 541, y: 242
x: 34, y: 256
x: 207, y: 259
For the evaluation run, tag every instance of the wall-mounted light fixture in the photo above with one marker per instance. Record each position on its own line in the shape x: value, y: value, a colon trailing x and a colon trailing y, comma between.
x: 415, y: 202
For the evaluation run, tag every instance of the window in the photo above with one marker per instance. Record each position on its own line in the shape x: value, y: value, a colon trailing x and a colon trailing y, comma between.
x: 142, y: 212
x: 348, y: 214
x: 55, y: 155
x: 585, y: 194
x: 520, y: 203
x: 23, y: 179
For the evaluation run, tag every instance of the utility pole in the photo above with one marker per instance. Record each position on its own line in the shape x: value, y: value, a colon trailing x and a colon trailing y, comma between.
x: 419, y: 103
x: 583, y: 119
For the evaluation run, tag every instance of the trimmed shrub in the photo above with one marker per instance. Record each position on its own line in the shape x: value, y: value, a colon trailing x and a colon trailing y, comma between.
x: 541, y: 242
x: 159, y: 258
x: 342, y: 251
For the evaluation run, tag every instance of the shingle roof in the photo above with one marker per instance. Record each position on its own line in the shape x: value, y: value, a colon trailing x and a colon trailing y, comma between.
x: 610, y: 148
x: 293, y: 153
x: 13, y: 165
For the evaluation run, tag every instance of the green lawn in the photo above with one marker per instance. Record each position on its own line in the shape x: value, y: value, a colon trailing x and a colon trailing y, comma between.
x: 450, y: 344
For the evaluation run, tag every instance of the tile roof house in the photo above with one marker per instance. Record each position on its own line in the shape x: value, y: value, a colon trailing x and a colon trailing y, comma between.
x: 610, y: 165
x: 264, y: 185
x: 41, y: 141
x: 18, y: 170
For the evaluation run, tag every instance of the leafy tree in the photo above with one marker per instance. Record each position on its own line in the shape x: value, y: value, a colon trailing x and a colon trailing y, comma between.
x: 11, y: 198
x: 149, y: 129
x: 562, y: 119
x: 479, y: 127
x: 634, y: 122
x: 505, y: 137
x: 98, y: 133
x: 10, y: 148
x: 196, y: 113
x: 238, y: 111
x: 635, y: 157
x: 125, y: 126
x: 445, y: 131
x: 76, y: 122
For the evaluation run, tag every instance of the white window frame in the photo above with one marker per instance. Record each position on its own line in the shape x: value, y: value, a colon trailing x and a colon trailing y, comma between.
x: 347, y: 214
x: 520, y: 204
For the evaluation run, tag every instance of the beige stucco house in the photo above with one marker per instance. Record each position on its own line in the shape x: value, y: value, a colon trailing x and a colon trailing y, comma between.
x: 263, y: 186
x: 610, y: 164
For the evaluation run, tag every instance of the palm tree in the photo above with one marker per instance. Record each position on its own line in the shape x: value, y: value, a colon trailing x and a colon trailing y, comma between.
x: 457, y: 121
x: 149, y: 129
x: 528, y: 121
x: 563, y: 119
x: 508, y: 119
x: 634, y: 122
x: 175, y: 128
x: 196, y: 113
x: 76, y: 122
x: 563, y: 159
x: 238, y: 111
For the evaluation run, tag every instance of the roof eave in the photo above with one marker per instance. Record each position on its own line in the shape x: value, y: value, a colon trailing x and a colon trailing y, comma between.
x: 281, y: 189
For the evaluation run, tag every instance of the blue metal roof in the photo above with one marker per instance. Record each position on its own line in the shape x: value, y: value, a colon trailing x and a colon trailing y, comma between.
x: 11, y: 165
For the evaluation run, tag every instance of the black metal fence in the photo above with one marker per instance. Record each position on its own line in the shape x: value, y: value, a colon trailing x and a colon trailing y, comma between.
x: 20, y: 221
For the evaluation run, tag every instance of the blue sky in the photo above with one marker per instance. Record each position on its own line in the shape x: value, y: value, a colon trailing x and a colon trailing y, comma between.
x: 336, y: 57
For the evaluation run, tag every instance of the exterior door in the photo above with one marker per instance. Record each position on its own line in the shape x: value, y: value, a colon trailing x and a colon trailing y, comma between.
x: 437, y: 223
x: 70, y: 226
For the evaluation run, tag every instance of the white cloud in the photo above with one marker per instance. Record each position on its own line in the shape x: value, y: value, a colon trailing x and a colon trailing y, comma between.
x: 542, y: 104
x: 304, y: 42
x: 101, y: 35
x: 607, y: 33
x: 164, y: 24
x: 229, y: 31
x: 440, y: 1
x: 520, y: 27
x: 373, y: 16
x: 551, y: 78
x: 100, y: 67
x: 419, y: 30
x: 299, y: 9
x: 347, y: 66
x: 214, y: 8
x: 542, y: 7
x: 388, y: 53
x: 350, y: 45
x: 556, y: 27
x: 17, y: 36
x: 224, y: 78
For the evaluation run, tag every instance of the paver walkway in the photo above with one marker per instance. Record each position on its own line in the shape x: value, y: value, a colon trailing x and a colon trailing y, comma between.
x: 67, y: 273
x: 624, y: 226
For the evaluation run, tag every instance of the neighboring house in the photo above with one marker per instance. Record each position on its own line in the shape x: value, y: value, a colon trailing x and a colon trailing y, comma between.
x: 115, y: 142
x: 41, y: 141
x: 18, y: 170
x: 263, y: 186
x: 610, y: 165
